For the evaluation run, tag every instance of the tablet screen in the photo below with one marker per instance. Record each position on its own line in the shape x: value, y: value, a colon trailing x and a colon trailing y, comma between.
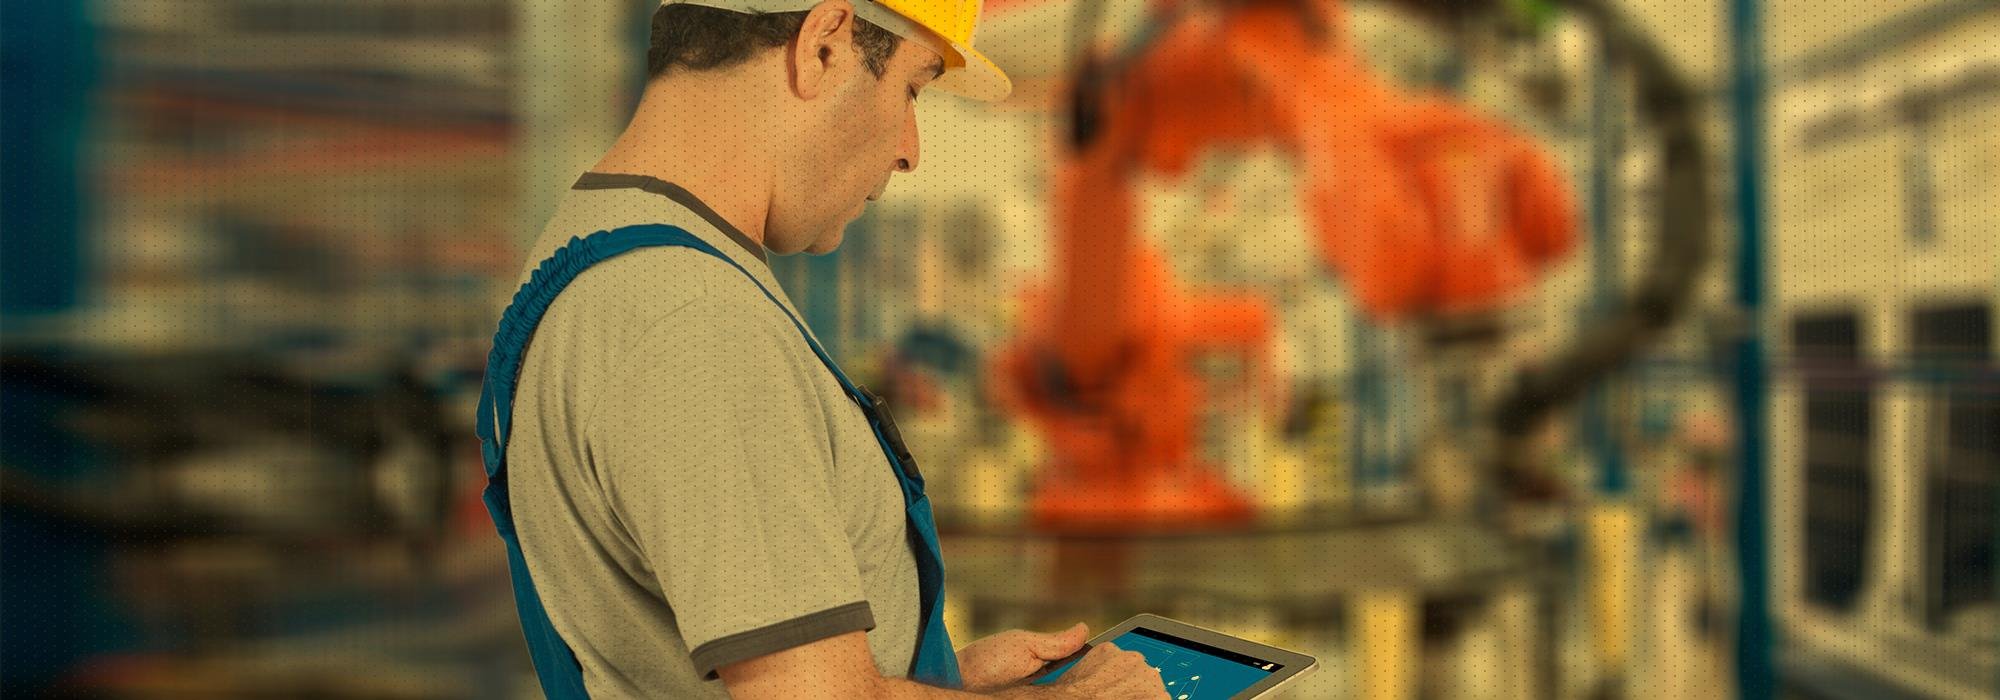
x: 1191, y: 670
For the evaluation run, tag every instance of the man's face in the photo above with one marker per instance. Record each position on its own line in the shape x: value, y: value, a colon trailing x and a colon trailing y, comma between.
x: 864, y: 129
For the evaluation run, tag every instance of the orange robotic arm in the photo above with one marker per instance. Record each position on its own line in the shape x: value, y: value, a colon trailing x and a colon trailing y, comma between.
x: 1421, y: 206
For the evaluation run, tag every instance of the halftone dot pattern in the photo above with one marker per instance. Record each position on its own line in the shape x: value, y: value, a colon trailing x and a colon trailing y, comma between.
x: 1246, y: 376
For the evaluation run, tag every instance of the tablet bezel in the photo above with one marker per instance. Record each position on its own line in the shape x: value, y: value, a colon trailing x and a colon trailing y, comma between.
x: 1295, y: 665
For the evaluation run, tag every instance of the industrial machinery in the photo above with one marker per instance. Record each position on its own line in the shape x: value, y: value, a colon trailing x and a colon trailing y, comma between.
x: 1427, y: 210
x: 1430, y: 213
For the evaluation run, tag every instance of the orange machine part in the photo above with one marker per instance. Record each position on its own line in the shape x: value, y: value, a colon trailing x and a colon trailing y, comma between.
x: 1422, y: 205
x: 1103, y: 372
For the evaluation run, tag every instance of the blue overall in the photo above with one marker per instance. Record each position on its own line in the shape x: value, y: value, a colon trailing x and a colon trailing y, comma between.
x: 555, y: 664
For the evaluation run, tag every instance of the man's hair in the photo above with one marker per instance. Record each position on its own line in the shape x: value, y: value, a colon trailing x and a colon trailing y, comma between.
x: 697, y: 37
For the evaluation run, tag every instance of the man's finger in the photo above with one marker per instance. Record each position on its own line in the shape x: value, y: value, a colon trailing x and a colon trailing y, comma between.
x: 1061, y: 644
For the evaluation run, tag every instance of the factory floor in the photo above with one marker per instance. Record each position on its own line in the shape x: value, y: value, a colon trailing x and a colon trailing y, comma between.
x: 1675, y: 659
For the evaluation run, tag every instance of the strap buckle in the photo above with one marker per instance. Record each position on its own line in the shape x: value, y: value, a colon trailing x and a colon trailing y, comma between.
x: 878, y: 413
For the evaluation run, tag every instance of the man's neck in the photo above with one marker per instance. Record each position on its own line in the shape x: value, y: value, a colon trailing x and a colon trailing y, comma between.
x: 720, y: 151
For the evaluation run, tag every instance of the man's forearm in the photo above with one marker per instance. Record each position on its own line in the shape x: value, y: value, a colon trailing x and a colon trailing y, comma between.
x: 904, y: 689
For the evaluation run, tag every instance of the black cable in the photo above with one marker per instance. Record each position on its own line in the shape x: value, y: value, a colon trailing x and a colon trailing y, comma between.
x: 1083, y: 32
x: 1663, y: 293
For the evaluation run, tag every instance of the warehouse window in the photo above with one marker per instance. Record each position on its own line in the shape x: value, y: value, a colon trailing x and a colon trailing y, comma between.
x: 1839, y: 446
x: 1961, y: 457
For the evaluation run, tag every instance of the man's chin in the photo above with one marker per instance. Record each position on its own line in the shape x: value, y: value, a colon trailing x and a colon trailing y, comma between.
x: 830, y: 240
x: 827, y: 243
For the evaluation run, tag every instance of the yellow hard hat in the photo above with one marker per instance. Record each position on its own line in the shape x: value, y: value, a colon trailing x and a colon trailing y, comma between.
x: 944, y: 25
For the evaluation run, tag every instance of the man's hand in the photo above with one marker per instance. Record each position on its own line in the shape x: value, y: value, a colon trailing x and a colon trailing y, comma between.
x: 1009, y: 658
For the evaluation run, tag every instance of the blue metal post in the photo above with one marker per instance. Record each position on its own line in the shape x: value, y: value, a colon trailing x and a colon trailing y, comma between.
x: 1604, y: 273
x: 1359, y: 419
x: 821, y: 304
x: 1371, y: 431
x: 51, y: 67
x: 858, y: 251
x: 1400, y: 422
x: 57, y: 599
x: 639, y: 33
x: 1756, y: 676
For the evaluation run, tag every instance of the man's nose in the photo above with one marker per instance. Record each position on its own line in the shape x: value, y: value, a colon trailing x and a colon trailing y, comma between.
x: 910, y: 146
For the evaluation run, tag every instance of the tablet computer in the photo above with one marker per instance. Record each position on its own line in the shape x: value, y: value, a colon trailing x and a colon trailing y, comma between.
x: 1196, y: 663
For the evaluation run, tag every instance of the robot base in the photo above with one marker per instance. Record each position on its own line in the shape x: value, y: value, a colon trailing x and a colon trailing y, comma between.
x: 1139, y: 501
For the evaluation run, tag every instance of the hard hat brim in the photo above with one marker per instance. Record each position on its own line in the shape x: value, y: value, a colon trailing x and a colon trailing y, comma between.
x: 969, y: 74
x: 979, y: 78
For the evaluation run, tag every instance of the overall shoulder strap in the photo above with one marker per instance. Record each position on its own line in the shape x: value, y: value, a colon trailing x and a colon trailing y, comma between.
x: 556, y: 666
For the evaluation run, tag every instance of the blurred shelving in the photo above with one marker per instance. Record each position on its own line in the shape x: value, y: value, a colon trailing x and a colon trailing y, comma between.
x: 369, y: 143
x: 298, y: 211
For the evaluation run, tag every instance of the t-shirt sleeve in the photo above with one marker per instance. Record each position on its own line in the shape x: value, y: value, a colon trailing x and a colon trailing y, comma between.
x: 716, y: 458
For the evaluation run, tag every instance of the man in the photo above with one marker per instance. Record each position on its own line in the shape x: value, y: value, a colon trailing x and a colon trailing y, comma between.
x: 697, y: 503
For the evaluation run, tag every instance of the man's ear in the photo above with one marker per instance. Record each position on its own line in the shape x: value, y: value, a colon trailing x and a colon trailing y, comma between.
x: 822, y: 49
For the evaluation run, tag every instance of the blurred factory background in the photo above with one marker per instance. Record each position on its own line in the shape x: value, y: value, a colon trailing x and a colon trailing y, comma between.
x: 1664, y: 367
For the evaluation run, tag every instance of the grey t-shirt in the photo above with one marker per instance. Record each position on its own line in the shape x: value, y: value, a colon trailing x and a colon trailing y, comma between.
x: 692, y: 487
